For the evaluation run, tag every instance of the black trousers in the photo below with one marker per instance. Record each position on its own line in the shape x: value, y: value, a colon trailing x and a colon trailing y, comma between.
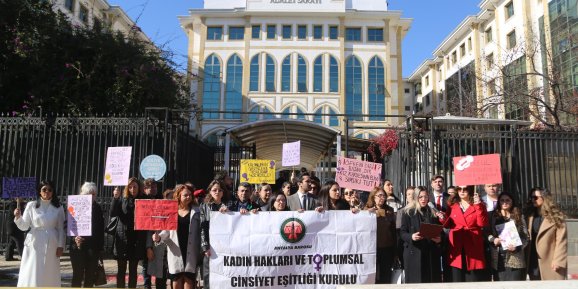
x: 84, y: 263
x: 510, y: 274
x: 121, y: 273
x: 145, y: 275
x: 463, y: 275
x: 206, y: 272
x: 15, y: 241
x: 384, y: 262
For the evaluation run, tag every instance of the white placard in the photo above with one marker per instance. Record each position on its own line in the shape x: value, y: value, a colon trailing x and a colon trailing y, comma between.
x: 508, y: 234
x: 291, y: 154
x: 79, y: 215
x: 117, y: 168
x: 292, y: 249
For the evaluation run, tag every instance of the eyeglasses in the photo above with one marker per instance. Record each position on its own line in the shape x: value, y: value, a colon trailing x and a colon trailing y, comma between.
x: 380, y: 195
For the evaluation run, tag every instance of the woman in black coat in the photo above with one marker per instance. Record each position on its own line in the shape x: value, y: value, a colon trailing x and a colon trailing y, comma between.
x: 421, y: 256
x: 129, y: 245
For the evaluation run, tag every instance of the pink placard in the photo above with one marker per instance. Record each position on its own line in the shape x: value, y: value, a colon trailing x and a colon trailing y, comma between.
x: 356, y: 174
x: 477, y: 170
x: 156, y: 215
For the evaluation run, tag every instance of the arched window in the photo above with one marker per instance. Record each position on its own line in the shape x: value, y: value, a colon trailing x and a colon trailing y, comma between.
x: 333, y: 120
x: 318, y: 74
x: 212, y: 87
x: 254, y: 77
x: 318, y: 118
x: 233, y: 94
x: 287, y: 110
x: 270, y: 74
x: 353, y: 87
x: 376, y: 88
x: 267, y: 116
x: 333, y: 74
x: 212, y: 139
x: 301, y: 74
x: 300, y: 114
x: 286, y: 74
x: 253, y: 116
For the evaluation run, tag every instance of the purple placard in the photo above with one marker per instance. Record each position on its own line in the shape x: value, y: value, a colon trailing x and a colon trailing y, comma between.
x: 18, y: 187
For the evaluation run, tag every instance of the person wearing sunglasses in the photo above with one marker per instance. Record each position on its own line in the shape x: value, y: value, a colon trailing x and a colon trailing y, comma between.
x: 44, y: 244
x: 548, y: 251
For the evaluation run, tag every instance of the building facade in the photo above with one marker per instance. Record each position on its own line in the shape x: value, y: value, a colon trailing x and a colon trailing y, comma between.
x: 491, y: 61
x: 317, y: 59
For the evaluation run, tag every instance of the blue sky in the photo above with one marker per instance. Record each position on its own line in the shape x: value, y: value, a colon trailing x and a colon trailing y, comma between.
x: 433, y: 20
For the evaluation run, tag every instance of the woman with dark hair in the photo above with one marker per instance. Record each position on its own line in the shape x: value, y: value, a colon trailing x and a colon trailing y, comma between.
x: 129, y: 245
x: 213, y: 202
x: 329, y: 197
x: 466, y: 218
x: 86, y: 251
x: 506, y: 259
x: 548, y: 250
x: 286, y: 189
x: 391, y: 200
x: 386, y: 235
x: 264, y: 195
x: 278, y: 203
x: 44, y: 244
x: 421, y: 255
x: 184, y: 243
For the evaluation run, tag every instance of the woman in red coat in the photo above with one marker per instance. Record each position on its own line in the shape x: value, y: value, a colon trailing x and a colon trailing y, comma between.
x: 466, y: 217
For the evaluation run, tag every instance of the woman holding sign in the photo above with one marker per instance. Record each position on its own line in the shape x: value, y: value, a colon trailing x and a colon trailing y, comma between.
x: 44, y: 244
x: 466, y: 218
x: 507, y: 259
x: 548, y: 250
x: 421, y: 255
x: 129, y: 245
x: 85, y: 252
x: 183, y: 245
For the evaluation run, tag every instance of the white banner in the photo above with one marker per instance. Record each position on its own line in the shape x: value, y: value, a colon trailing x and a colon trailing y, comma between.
x: 291, y: 154
x: 292, y: 249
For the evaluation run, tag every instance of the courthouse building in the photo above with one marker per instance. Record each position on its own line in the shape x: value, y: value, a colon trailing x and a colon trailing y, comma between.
x: 325, y: 58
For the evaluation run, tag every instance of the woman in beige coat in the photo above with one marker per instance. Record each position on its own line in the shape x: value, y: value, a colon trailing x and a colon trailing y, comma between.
x: 548, y: 250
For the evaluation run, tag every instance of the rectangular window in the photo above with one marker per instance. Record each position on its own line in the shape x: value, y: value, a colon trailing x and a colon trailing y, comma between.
x: 287, y: 31
x: 427, y: 81
x: 375, y: 34
x: 333, y: 32
x: 492, y: 87
x: 83, y: 14
x: 406, y: 90
x: 454, y: 58
x: 509, y: 10
x: 215, y: 33
x: 302, y: 32
x: 317, y: 32
x: 353, y: 34
x: 462, y: 50
x: 469, y: 44
x: 407, y: 108
x: 236, y: 32
x: 489, y: 35
x: 256, y: 31
x: 512, y: 39
x: 490, y: 60
x: 69, y: 4
x: 97, y: 24
x: 271, y: 31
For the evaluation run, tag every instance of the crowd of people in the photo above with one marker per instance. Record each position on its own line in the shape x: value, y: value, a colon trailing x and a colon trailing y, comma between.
x: 467, y: 248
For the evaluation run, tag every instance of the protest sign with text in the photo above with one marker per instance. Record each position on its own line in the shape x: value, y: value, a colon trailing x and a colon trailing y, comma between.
x: 18, y: 188
x: 292, y: 249
x: 356, y: 174
x: 156, y: 215
x: 117, y: 167
x: 291, y: 154
x: 477, y: 170
x: 258, y: 171
x: 79, y: 215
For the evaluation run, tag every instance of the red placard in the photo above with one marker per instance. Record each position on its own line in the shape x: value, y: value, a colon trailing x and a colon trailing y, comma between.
x: 156, y: 215
x: 477, y: 170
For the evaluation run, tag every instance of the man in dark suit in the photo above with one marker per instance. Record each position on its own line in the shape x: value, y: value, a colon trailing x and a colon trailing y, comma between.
x: 440, y: 200
x: 243, y: 203
x: 302, y: 200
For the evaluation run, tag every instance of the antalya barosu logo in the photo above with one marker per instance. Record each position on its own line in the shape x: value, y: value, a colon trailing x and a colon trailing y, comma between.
x: 292, y: 230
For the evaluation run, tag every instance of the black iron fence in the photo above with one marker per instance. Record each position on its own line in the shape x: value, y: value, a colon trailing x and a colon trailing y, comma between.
x: 72, y: 150
x: 528, y: 159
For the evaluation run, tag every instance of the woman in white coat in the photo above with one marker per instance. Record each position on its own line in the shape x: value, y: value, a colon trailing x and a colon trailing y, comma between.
x: 44, y: 244
x: 184, y: 244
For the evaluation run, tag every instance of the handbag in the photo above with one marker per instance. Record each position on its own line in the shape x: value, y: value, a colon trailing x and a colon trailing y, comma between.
x: 111, y: 227
x: 397, y: 274
x: 100, y: 278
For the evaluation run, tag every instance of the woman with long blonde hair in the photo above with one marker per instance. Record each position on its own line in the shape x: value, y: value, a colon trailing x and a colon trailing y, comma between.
x: 548, y: 250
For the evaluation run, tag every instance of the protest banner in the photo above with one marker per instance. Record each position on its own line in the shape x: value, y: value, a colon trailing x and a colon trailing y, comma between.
x: 154, y: 167
x: 18, y: 187
x: 156, y: 215
x: 258, y: 171
x: 117, y: 167
x: 292, y: 249
x: 356, y: 174
x: 291, y: 154
x: 477, y: 170
x: 79, y: 215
